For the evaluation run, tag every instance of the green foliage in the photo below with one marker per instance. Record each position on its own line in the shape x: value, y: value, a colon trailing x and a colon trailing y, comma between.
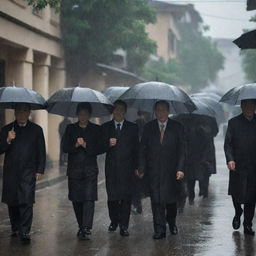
x: 198, y: 61
x: 158, y: 70
x: 199, y: 57
x: 40, y: 4
x: 92, y: 30
x: 249, y: 64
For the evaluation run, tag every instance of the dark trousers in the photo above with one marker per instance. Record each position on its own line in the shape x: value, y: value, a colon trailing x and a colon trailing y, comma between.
x: 203, y: 187
x: 249, y: 209
x: 162, y: 214
x: 119, y: 213
x: 84, y: 212
x: 21, y: 217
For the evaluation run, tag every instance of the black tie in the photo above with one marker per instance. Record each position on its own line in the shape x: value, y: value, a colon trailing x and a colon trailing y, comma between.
x: 118, y: 130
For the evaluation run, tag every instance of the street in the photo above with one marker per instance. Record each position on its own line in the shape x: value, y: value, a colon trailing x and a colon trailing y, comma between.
x: 204, y: 228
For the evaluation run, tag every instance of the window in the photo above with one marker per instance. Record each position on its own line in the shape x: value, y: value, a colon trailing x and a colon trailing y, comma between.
x: 171, y: 41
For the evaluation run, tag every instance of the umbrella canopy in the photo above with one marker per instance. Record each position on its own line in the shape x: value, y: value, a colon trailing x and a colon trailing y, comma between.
x: 203, y: 109
x: 212, y: 90
x: 114, y: 92
x: 246, y: 40
x: 64, y: 102
x: 143, y: 96
x: 10, y: 96
x: 236, y: 94
x: 213, y: 104
x: 207, y: 95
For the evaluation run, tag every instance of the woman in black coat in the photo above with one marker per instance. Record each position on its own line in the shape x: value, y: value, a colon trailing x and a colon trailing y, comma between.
x: 82, y: 143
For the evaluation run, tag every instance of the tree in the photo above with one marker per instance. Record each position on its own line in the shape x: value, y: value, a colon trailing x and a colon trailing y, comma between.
x: 40, y: 4
x: 93, y: 29
x: 199, y: 57
x: 158, y: 70
x: 198, y: 61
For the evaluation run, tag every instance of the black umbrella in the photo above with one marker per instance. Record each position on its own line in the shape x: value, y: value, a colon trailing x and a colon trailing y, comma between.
x: 143, y: 96
x: 114, y: 92
x: 64, y: 102
x: 10, y: 96
x: 203, y: 108
x: 236, y: 94
x: 246, y: 40
x: 213, y: 104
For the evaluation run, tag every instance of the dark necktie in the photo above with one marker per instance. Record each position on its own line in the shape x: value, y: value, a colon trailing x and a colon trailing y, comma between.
x: 118, y: 130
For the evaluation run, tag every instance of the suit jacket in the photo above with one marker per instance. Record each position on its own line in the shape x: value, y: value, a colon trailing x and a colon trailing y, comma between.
x: 160, y: 162
x: 121, y: 160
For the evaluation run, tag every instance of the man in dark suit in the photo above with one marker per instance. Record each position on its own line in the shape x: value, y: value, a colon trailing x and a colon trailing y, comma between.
x: 162, y: 162
x: 121, y: 145
x: 240, y: 148
x: 23, y: 144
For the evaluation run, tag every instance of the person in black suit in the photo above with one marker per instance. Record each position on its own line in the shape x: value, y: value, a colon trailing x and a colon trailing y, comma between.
x: 121, y: 142
x: 162, y: 156
x: 24, y: 146
x: 240, y: 148
x: 82, y: 143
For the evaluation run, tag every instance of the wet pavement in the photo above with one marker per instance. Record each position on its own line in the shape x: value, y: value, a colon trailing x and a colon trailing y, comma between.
x: 204, y: 229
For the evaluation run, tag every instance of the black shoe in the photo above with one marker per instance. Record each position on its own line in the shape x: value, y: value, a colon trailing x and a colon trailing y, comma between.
x: 248, y: 231
x: 14, y: 234
x: 112, y: 227
x: 173, y: 229
x: 191, y: 201
x: 124, y: 232
x: 84, y: 234
x: 236, y: 222
x: 79, y: 232
x: 159, y: 235
x: 25, y: 238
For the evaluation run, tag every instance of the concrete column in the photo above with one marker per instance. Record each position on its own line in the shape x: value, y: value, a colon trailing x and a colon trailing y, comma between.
x: 21, y: 73
x: 57, y: 81
x: 41, y: 85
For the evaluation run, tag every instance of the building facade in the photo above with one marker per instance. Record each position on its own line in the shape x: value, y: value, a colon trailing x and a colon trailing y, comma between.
x: 31, y: 56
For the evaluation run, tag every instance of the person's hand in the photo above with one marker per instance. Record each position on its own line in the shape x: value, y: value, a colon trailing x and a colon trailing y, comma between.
x: 11, y: 136
x: 232, y: 165
x: 138, y: 174
x: 179, y: 175
x: 38, y: 176
x: 80, y: 142
x: 112, y: 142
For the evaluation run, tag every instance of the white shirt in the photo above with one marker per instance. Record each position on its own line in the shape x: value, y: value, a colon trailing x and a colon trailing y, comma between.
x: 121, y: 124
x: 164, y: 124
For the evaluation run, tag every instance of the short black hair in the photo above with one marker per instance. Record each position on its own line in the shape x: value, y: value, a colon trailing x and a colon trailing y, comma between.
x: 84, y: 106
x: 246, y: 100
x: 120, y: 103
x: 20, y: 105
x: 162, y: 102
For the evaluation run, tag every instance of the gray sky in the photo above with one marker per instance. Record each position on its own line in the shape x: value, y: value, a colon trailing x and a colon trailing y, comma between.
x: 226, y: 18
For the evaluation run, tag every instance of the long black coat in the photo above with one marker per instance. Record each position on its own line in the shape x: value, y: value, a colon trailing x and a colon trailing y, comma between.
x: 121, y: 160
x: 24, y: 157
x: 160, y: 162
x: 200, y: 131
x: 82, y: 168
x: 240, y: 146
